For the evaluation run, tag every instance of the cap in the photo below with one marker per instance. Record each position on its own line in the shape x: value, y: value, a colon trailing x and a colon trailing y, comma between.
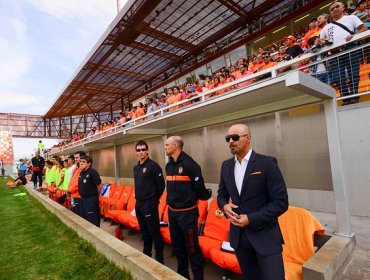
x: 163, y: 94
x: 290, y: 37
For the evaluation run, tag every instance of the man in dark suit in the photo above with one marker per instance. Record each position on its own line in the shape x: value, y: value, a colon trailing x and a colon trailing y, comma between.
x: 252, y: 193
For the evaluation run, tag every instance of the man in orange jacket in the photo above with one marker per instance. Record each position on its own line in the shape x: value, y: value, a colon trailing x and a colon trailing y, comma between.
x: 73, y: 184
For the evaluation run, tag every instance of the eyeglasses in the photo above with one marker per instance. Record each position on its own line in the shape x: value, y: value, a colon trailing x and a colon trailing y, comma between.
x: 141, y: 150
x: 234, y: 137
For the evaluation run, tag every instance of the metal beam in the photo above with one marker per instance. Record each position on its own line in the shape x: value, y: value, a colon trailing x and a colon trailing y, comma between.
x: 231, y: 5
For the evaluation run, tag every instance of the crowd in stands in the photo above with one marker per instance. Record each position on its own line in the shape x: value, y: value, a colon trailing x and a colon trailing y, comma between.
x: 303, y: 41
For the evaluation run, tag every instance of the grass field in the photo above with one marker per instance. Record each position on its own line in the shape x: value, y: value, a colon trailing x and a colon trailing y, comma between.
x: 35, y: 244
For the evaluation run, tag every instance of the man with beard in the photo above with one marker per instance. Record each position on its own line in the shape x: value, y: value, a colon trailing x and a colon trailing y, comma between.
x: 252, y: 193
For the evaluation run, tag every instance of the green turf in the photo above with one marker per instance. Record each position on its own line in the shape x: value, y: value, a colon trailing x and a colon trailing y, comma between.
x: 35, y: 244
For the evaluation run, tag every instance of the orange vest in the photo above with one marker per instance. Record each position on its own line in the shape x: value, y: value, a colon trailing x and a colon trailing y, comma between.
x: 73, y: 184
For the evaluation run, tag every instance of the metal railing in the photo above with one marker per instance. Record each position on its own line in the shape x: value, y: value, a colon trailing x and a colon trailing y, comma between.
x: 335, y: 54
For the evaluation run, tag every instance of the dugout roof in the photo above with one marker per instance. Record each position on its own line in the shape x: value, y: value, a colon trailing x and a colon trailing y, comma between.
x: 152, y: 41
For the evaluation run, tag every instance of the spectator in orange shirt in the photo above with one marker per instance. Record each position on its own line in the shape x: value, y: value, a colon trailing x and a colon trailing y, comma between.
x: 312, y: 30
x: 139, y: 112
x: 267, y: 63
x: 244, y: 73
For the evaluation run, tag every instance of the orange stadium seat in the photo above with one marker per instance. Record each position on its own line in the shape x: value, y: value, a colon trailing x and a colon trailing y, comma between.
x: 298, y: 227
x: 103, y: 199
x: 114, y: 213
x: 121, y: 203
x: 216, y: 230
x: 124, y: 216
x: 133, y: 222
x: 107, y: 202
x: 165, y: 231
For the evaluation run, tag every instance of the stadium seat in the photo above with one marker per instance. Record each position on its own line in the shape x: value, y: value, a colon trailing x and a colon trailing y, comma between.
x: 108, y: 201
x: 165, y: 231
x: 124, y: 216
x: 216, y: 230
x: 105, y: 198
x: 298, y: 227
x: 121, y: 203
x: 133, y: 222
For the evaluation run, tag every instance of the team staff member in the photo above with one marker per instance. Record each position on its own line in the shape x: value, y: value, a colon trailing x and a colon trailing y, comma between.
x: 73, y: 184
x: 88, y: 183
x: 38, y: 164
x: 184, y: 182
x: 149, y: 187
x: 258, y: 196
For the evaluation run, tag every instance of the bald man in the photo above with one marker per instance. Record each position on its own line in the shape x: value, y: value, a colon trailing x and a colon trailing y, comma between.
x: 252, y: 193
x: 185, y: 185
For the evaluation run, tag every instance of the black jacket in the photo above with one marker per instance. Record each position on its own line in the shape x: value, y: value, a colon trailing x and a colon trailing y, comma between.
x: 184, y: 182
x: 263, y: 198
x: 88, y: 182
x: 149, y: 181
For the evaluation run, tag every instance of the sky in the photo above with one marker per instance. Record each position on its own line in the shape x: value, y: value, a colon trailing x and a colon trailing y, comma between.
x: 42, y: 43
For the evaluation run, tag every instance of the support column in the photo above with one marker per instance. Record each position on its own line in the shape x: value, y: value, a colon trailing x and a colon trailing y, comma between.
x: 337, y: 170
x: 116, y: 160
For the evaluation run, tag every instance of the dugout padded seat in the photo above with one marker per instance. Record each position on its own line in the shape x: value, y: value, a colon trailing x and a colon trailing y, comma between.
x: 216, y: 230
x: 202, y: 208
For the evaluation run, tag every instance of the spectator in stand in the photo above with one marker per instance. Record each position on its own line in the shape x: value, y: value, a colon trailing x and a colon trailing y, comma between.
x: 322, y: 20
x: 122, y: 118
x: 163, y: 101
x: 318, y: 70
x: 38, y: 164
x: 75, y: 137
x: 292, y: 50
x: 281, y: 56
x: 267, y: 63
x: 342, y: 28
x: 243, y: 68
x: 363, y: 14
x: 88, y: 187
x: 312, y: 31
x: 253, y: 64
x: 151, y: 108
x: 139, y: 112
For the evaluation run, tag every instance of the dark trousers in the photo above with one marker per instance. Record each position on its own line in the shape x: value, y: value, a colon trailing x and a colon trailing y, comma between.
x: 184, y: 237
x: 89, y: 209
x: 342, y: 65
x: 37, y: 176
x: 255, y: 266
x: 76, y: 206
x: 148, y: 218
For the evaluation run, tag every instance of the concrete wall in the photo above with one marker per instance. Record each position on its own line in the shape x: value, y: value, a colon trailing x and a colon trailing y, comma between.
x: 296, y: 137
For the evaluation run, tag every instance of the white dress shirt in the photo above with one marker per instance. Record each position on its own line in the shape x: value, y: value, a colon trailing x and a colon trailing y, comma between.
x: 239, y: 170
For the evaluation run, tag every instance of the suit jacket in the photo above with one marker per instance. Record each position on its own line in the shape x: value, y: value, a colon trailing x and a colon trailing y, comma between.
x: 263, y: 198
